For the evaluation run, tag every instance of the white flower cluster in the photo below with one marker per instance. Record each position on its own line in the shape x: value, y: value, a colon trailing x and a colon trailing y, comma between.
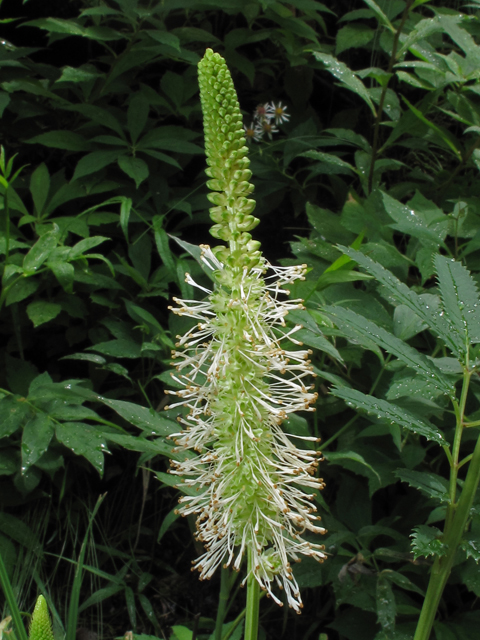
x: 266, y: 117
x: 239, y: 382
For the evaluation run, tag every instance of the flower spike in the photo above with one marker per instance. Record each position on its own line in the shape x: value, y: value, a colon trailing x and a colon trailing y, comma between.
x: 241, y: 373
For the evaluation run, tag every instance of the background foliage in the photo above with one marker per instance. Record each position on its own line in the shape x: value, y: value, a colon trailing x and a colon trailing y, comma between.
x: 103, y: 201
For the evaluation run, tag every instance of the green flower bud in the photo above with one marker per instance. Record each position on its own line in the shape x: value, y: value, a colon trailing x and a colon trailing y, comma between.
x: 40, y: 626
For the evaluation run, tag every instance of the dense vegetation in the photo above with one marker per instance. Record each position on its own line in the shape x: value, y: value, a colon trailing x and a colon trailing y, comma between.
x: 372, y: 181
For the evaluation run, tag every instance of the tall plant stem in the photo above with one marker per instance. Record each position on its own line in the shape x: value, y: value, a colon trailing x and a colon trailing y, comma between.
x: 452, y: 537
x: 376, y: 131
x: 253, y: 603
x: 222, y: 601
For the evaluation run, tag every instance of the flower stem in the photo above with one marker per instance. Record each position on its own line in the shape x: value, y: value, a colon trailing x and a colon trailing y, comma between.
x: 225, y: 584
x: 383, y: 95
x: 253, y: 602
x: 452, y: 537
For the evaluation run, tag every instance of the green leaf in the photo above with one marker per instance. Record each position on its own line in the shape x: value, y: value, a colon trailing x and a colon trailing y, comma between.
x: 87, y: 357
x: 84, y: 245
x: 156, y: 447
x: 93, y: 162
x: 346, y: 319
x: 64, y: 273
x: 60, y: 139
x: 319, y: 342
x: 471, y: 545
x: 41, y: 250
x: 161, y: 240
x: 430, y: 484
x: 84, y: 440
x: 137, y: 115
x: 421, y: 219
x: 84, y: 73
x: 170, y: 138
x: 8, y: 462
x: 181, y: 633
x: 17, y: 530
x: 426, y: 542
x: 396, y: 292
x: 389, y: 413
x: 336, y: 457
x: 122, y: 348
x: 347, y: 77
x: 448, y: 138
x: 329, y: 161
x: 21, y: 290
x: 125, y: 210
x: 135, y: 168
x: 40, y: 312
x: 39, y: 187
x: 382, y: 18
x: 164, y: 37
x: 145, y: 419
x: 167, y: 522
x: 37, y: 434
x: 460, y: 299
x: 353, y: 35
x: 386, y: 606
x: 58, y: 25
x: 13, y: 414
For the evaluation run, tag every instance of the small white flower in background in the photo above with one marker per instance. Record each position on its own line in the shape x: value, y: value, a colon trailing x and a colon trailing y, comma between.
x: 279, y: 112
x: 253, y: 132
x: 268, y: 129
x: 265, y: 118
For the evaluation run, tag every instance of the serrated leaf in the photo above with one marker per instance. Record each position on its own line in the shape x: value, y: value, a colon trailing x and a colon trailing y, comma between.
x: 84, y: 440
x: 37, y: 434
x: 397, y: 292
x: 347, y: 319
x: 460, y: 299
x: 471, y: 545
x: 426, y: 542
x: 347, y: 77
x: 430, y: 484
x: 389, y: 413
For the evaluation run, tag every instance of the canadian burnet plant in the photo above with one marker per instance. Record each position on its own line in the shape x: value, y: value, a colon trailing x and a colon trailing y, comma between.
x: 241, y: 373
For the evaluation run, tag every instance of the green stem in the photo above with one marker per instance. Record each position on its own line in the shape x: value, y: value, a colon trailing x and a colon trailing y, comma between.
x: 454, y: 465
x: 381, y: 103
x: 253, y: 603
x: 12, y: 602
x: 222, y: 602
x: 452, y: 537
